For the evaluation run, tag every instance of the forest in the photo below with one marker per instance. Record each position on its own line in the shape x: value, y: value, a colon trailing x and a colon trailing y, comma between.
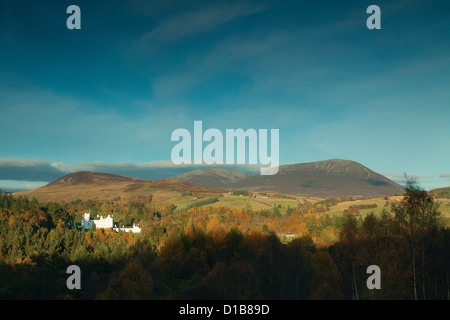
x: 218, y: 253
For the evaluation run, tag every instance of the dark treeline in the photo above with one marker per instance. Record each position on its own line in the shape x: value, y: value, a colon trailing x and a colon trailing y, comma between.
x: 410, y: 245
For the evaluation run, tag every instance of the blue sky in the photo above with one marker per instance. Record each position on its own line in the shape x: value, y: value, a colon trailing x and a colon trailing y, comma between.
x: 107, y: 97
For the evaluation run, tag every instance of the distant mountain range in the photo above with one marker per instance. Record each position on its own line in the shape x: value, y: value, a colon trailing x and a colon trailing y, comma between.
x: 329, y: 178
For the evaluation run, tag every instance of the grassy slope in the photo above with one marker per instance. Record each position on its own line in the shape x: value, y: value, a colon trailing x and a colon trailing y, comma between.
x: 339, y: 208
x: 161, y: 190
x: 238, y: 202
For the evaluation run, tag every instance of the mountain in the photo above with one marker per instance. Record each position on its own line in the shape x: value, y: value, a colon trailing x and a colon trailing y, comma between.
x: 212, y: 177
x: 329, y: 178
x: 104, y: 186
x: 91, y: 178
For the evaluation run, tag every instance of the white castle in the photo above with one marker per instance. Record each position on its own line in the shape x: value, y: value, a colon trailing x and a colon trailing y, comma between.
x: 133, y: 229
x: 104, y: 223
x: 100, y: 222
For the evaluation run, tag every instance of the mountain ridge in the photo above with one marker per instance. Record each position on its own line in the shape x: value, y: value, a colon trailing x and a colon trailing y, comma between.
x: 325, y: 179
x: 87, y: 185
x: 212, y: 177
x: 90, y: 177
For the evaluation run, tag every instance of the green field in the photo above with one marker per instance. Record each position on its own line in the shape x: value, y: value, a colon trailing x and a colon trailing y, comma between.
x: 445, y: 207
x: 241, y: 202
x: 267, y: 203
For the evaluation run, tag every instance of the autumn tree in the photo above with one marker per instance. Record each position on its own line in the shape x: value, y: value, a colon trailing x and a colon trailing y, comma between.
x: 132, y: 283
x: 327, y: 278
x: 348, y: 248
x: 418, y: 217
x: 238, y: 280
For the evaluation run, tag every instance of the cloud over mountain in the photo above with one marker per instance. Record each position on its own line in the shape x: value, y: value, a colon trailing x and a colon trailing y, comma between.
x: 23, y: 174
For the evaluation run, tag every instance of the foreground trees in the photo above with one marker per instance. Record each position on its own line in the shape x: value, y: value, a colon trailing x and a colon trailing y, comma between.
x: 410, y: 246
x: 418, y: 221
x: 218, y: 253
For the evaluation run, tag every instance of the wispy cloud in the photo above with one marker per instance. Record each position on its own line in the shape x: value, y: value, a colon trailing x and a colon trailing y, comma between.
x: 445, y: 176
x: 15, y: 186
x: 28, y: 170
x: 427, y: 181
x: 201, y: 20
x: 38, y: 121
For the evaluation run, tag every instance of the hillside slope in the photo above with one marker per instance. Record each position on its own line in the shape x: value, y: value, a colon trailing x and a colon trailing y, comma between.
x: 442, y: 192
x: 329, y: 178
x: 212, y: 177
x: 104, y: 186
